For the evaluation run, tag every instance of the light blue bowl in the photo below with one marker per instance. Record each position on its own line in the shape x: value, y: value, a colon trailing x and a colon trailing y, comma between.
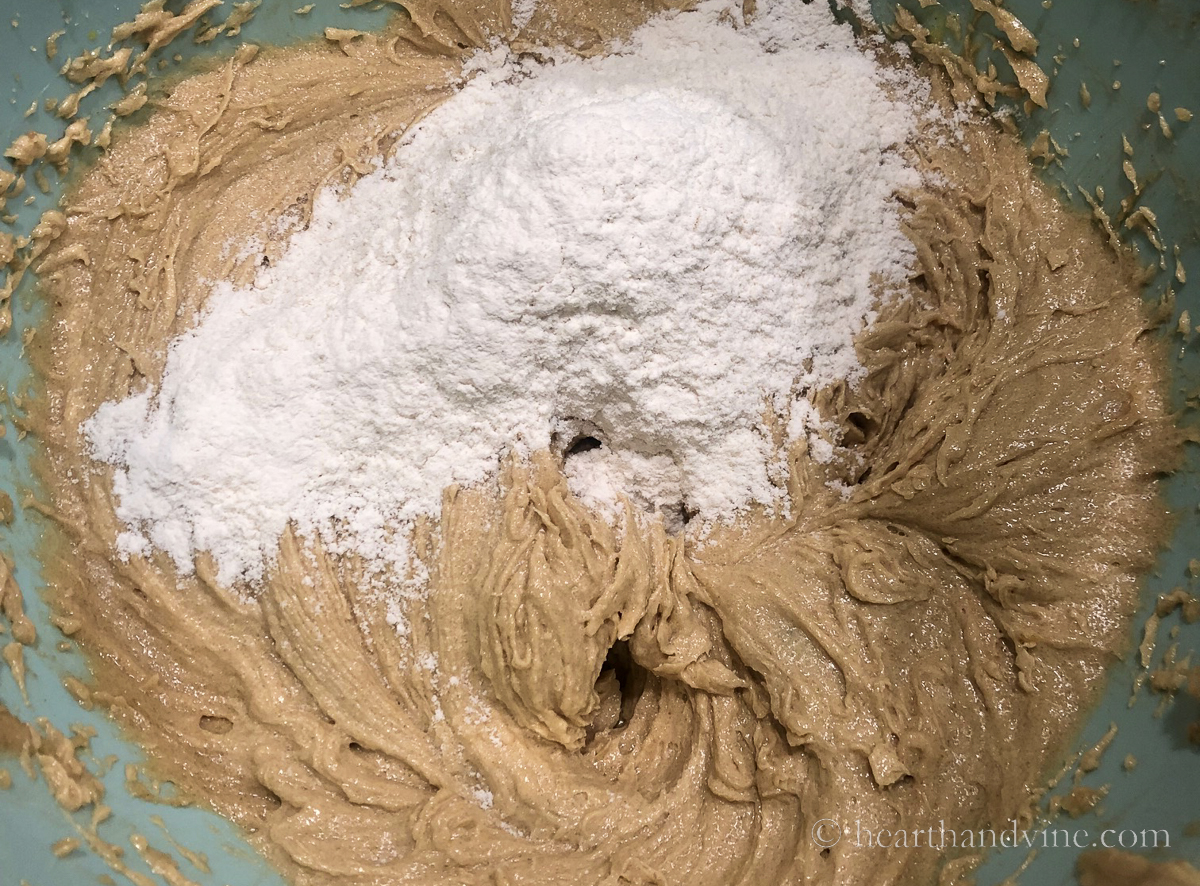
x: 1158, y: 49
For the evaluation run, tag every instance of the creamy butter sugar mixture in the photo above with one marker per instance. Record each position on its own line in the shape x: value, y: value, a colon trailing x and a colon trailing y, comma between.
x: 650, y: 249
x: 381, y: 373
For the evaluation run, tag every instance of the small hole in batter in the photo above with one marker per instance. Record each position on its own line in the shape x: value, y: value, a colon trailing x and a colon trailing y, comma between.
x: 582, y: 444
x: 216, y: 725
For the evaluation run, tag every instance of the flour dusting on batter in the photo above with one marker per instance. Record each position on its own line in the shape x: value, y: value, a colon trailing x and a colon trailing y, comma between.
x: 650, y: 249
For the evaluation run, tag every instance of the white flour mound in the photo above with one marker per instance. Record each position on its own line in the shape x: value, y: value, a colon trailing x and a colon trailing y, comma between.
x: 645, y: 248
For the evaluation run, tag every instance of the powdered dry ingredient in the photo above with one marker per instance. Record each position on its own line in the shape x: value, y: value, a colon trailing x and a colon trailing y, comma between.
x: 649, y: 248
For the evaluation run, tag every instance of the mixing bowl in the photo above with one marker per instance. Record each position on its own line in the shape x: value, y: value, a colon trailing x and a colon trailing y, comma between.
x: 1147, y: 47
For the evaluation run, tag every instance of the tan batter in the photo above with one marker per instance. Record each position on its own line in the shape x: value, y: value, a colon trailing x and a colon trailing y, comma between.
x: 1112, y: 867
x: 572, y: 705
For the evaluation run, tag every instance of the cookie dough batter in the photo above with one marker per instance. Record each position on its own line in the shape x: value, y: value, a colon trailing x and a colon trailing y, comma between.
x: 565, y: 702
